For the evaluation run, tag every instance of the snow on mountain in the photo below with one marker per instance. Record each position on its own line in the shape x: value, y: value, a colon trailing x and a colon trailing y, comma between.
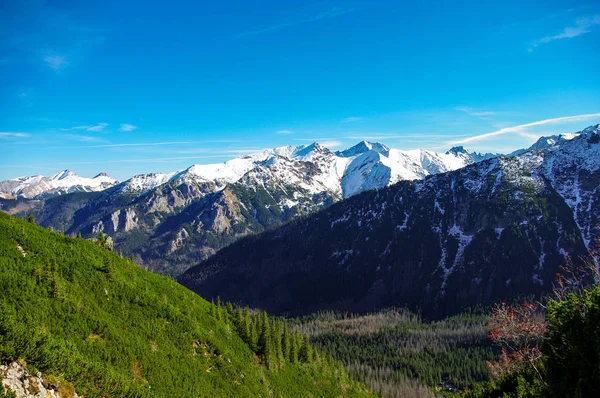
x: 362, y: 147
x: 483, y: 233
x: 470, y: 157
x: 362, y: 167
x: 547, y: 142
x: 573, y: 168
x: 142, y: 183
x: 60, y: 183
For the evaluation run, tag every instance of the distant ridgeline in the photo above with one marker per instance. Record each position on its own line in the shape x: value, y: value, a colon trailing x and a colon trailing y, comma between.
x: 493, y: 230
x: 171, y: 221
x: 98, y: 325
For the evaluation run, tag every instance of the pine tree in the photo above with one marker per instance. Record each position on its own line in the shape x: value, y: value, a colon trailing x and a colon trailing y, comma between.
x: 30, y: 218
x: 293, y: 349
x: 263, y: 337
x: 109, y: 268
x: 101, y: 239
x: 286, y: 342
x: 218, y: 308
x: 305, y: 354
x: 276, y: 336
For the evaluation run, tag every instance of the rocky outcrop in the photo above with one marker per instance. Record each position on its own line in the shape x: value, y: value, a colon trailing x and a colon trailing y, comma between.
x: 17, y: 379
x: 179, y: 240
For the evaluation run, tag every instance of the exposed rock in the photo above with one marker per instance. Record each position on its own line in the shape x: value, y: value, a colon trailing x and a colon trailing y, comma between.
x: 115, y: 220
x: 131, y: 220
x: 17, y: 379
x: 98, y: 227
x: 179, y: 240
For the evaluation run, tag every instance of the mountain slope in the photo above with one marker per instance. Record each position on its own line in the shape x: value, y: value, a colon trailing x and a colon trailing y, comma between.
x: 92, y: 320
x: 485, y: 232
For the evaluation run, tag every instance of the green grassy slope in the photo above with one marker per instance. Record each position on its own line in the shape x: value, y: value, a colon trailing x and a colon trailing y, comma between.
x: 83, y: 315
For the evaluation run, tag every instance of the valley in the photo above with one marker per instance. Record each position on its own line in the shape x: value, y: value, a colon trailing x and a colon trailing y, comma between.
x: 495, y: 228
x: 299, y: 199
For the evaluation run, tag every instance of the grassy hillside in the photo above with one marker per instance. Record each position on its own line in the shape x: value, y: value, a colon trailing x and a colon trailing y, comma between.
x: 84, y: 316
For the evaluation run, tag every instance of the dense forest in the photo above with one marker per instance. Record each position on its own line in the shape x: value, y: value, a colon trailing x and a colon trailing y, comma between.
x: 398, y: 354
x: 98, y: 324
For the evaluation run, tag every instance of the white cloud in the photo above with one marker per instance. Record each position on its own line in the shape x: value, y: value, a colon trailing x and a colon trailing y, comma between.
x: 475, y: 112
x: 98, y: 127
x: 128, y: 127
x: 352, y: 119
x: 386, y: 136
x: 6, y: 134
x: 83, y: 138
x: 244, y: 151
x: 56, y: 62
x: 582, y: 26
x: 331, y: 144
x: 520, y: 128
x: 284, y: 132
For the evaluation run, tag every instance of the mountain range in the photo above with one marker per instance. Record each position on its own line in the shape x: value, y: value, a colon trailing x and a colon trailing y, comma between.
x: 489, y: 231
x: 170, y: 221
x: 64, y: 182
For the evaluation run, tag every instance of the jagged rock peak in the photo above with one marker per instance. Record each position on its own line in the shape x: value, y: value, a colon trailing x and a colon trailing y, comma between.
x: 456, y: 150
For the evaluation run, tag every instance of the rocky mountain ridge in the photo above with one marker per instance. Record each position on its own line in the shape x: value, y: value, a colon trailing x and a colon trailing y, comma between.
x: 181, y: 217
x: 485, y: 232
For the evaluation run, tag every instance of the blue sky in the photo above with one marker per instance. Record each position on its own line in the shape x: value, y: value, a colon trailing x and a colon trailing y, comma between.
x: 137, y: 86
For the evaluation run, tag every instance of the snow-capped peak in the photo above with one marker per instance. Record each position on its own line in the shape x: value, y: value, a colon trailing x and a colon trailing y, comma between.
x: 102, y: 174
x: 63, y: 175
x: 549, y: 141
x: 363, y: 147
x: 310, y: 151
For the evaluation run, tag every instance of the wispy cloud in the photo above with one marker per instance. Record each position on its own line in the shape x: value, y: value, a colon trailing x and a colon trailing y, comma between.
x: 158, y: 160
x: 333, y: 13
x: 127, y: 145
x: 384, y: 136
x: 475, y: 111
x: 231, y: 151
x: 331, y: 144
x: 284, y: 132
x: 12, y: 134
x: 45, y: 34
x: 582, y: 26
x: 55, y: 61
x: 128, y: 127
x: 521, y: 129
x: 96, y: 128
x: 319, y: 140
x: 352, y: 119
x: 83, y: 138
x: 147, y: 144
